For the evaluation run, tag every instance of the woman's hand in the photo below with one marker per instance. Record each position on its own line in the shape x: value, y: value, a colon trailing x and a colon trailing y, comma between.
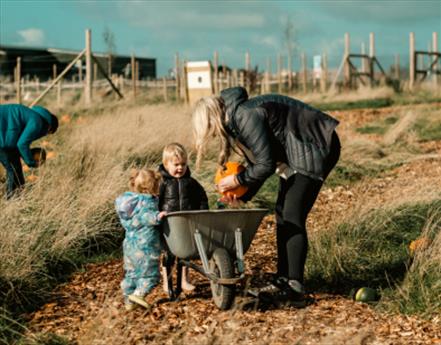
x: 162, y: 214
x: 227, y: 183
x: 231, y: 201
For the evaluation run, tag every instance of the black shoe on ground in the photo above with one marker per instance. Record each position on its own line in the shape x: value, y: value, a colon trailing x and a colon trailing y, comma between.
x: 284, y: 293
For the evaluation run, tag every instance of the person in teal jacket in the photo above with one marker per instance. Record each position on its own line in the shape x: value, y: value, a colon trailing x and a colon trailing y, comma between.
x: 19, y: 127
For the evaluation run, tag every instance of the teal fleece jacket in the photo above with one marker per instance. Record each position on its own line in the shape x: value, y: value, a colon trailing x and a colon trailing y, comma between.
x: 20, y: 126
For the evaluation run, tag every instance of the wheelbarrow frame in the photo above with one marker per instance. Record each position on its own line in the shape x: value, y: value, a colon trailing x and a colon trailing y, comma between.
x: 207, y: 235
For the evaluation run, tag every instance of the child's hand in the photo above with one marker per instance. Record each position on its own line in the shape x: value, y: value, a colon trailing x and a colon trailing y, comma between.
x: 162, y: 214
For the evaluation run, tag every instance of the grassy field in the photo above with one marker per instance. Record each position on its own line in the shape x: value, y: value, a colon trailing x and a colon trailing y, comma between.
x: 66, y: 218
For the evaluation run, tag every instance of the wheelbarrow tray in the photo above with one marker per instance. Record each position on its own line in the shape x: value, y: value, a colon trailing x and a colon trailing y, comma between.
x: 217, y: 228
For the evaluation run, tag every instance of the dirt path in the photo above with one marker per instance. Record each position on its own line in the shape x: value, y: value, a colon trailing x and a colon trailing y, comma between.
x: 88, y: 309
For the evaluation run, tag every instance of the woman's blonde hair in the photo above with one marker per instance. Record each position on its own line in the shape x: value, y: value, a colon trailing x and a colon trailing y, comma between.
x: 173, y: 150
x: 208, y: 121
x: 145, y: 181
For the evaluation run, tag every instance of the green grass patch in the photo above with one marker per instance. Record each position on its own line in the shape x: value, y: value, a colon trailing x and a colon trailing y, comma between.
x: 374, y: 251
x: 347, y: 173
x: 378, y: 127
x: 427, y: 129
x: 364, y: 103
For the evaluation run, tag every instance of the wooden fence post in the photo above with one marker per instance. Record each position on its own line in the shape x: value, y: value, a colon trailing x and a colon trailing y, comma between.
x: 132, y: 65
x: 247, y: 70
x: 121, y: 83
x: 347, y: 68
x: 164, y: 89
x: 268, y: 75
x: 324, y: 76
x: 59, y: 92
x: 411, y: 60
x: 435, y: 50
x: 80, y: 70
x: 397, y: 67
x: 95, y: 71
x: 177, y: 77
x: 279, y: 73
x: 88, y: 84
x: 216, y: 72
x: 18, y: 79
x: 372, y: 57
x: 137, y: 74
x: 305, y: 73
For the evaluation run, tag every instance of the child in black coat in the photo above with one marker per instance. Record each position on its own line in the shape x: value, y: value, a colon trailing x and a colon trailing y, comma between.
x: 178, y: 192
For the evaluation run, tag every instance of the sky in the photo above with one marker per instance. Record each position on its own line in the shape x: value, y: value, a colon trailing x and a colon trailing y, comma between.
x: 195, y: 29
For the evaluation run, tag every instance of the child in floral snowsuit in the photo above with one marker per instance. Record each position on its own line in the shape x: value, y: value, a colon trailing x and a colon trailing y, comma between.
x: 139, y: 215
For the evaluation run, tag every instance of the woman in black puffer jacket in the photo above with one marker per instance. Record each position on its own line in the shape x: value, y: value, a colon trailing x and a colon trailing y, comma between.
x: 278, y: 134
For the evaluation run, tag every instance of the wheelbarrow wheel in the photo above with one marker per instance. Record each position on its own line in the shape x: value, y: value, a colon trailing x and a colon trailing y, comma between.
x: 222, y: 266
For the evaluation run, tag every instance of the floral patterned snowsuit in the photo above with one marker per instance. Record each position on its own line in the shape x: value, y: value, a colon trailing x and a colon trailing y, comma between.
x: 138, y: 214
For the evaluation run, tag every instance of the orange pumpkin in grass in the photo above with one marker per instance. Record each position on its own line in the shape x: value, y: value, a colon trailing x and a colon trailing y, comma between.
x: 231, y: 168
x: 39, y: 155
x: 32, y: 178
x: 65, y: 119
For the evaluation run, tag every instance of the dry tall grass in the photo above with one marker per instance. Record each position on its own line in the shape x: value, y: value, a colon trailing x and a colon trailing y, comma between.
x: 72, y: 201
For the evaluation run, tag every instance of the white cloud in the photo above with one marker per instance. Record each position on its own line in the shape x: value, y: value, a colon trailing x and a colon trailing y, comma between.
x: 269, y: 41
x: 31, y: 36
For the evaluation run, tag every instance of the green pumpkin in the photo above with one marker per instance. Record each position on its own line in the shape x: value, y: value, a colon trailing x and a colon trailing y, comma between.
x: 366, y: 294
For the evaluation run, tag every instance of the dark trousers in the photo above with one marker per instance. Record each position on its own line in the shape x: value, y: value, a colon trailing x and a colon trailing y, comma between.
x: 295, y: 199
x: 10, y: 159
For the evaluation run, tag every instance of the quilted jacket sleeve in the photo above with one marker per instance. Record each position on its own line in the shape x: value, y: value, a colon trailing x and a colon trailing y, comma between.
x: 254, y: 134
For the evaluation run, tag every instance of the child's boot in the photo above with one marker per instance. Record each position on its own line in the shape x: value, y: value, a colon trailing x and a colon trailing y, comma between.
x: 139, y: 300
x: 185, y: 281
x: 129, y: 305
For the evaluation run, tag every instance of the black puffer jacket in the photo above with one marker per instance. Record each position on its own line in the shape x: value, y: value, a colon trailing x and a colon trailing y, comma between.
x: 180, y: 194
x: 276, y: 128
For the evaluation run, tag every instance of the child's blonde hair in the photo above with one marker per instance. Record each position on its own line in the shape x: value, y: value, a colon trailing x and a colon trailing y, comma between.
x: 173, y: 150
x: 146, y: 181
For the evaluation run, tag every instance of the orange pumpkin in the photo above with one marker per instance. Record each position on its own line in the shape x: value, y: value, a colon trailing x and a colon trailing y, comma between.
x: 51, y: 155
x: 65, y: 119
x: 231, y: 168
x: 419, y: 244
x: 39, y: 155
x: 32, y: 178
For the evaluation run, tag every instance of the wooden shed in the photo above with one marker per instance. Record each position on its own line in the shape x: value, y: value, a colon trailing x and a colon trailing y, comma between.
x: 199, y: 80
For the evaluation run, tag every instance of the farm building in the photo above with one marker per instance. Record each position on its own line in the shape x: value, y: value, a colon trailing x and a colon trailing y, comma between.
x: 40, y: 63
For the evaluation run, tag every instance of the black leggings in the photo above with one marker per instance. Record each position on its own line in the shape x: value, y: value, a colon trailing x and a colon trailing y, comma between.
x: 295, y: 199
x: 10, y: 159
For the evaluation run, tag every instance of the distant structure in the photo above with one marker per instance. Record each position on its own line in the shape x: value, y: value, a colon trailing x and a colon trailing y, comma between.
x: 40, y: 63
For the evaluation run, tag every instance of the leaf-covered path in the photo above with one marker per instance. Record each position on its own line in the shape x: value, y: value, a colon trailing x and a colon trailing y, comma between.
x: 88, y: 309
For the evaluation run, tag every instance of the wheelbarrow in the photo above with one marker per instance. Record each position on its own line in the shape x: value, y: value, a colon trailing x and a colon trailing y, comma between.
x: 219, y: 238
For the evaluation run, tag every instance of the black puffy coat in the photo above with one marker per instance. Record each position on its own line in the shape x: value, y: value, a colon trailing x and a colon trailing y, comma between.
x: 276, y: 128
x: 181, y: 194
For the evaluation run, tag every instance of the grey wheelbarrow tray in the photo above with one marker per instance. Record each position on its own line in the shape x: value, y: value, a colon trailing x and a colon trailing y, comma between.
x: 219, y: 238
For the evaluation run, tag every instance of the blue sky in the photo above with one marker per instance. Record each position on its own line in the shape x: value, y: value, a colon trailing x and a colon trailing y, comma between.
x: 196, y: 29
